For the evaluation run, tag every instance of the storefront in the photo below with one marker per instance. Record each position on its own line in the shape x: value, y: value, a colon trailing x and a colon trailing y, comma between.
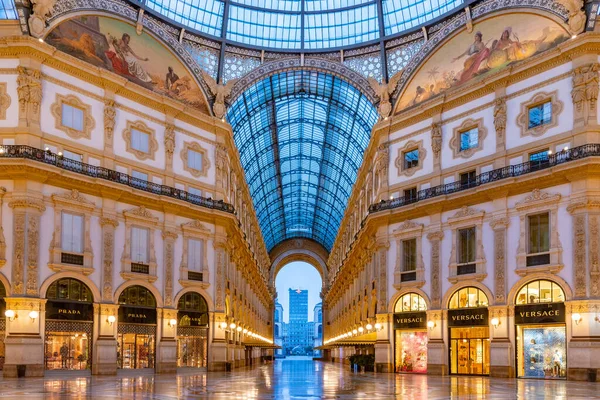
x: 136, y: 341
x: 469, y: 332
x: 410, y: 334
x: 2, y: 324
x: 192, y: 331
x: 541, y: 331
x: 69, y: 326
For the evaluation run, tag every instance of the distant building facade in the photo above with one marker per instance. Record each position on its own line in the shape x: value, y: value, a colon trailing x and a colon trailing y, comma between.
x: 299, y: 336
x: 279, y: 331
x: 317, y: 328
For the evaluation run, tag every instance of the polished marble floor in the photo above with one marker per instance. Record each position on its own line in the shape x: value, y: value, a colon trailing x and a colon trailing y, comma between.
x: 291, y: 379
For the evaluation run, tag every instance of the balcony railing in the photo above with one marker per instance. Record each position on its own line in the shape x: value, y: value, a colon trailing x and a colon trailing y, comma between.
x: 561, y: 157
x: 47, y: 157
x: 140, y: 268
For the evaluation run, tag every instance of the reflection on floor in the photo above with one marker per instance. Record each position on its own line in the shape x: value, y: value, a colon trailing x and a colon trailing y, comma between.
x: 291, y: 379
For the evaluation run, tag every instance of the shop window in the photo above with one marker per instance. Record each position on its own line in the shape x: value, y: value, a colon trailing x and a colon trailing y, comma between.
x: 541, y: 291
x: 540, y: 114
x: 410, y: 302
x: 466, y: 251
x: 469, y: 297
x: 539, y: 239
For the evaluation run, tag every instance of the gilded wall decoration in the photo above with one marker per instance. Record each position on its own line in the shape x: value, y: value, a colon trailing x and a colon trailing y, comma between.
x: 18, y: 252
x: 169, y: 144
x: 108, y: 245
x: 29, y: 91
x: 498, y: 42
x: 579, y: 256
x: 33, y: 238
x: 169, y: 238
x: 2, y: 238
x: 5, y: 100
x: 499, y: 226
x: 500, y: 120
x: 383, y: 91
x: 57, y: 112
x: 221, y: 93
x: 436, y: 141
x: 594, y: 257
x: 115, y: 46
x: 585, y: 92
x: 436, y: 285
x: 110, y: 113
x: 538, y: 99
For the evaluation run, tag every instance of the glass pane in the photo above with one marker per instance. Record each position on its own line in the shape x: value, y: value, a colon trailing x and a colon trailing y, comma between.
x: 469, y: 139
x: 540, y: 114
x: 545, y: 291
x: 411, y: 159
x: 140, y: 140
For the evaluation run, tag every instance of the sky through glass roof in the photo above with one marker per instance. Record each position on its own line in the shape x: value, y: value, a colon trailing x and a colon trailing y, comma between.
x: 301, y: 137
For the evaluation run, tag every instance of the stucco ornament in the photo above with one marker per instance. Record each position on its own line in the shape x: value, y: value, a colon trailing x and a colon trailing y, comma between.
x: 37, y: 20
x: 576, y: 15
x: 383, y: 91
x: 221, y: 93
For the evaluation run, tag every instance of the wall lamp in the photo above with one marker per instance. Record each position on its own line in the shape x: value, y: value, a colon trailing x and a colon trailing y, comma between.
x: 576, y: 318
x: 33, y: 315
x: 360, y: 329
x: 431, y: 325
x: 232, y: 326
x: 378, y: 326
x: 172, y: 322
x: 223, y: 325
x: 110, y: 320
x: 369, y: 327
x: 11, y: 315
x: 495, y: 322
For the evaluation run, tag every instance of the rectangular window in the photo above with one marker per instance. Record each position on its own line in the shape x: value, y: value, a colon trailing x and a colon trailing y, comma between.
x: 139, y: 245
x: 195, y: 254
x: 72, y: 117
x: 539, y: 156
x: 194, y: 160
x: 540, y: 114
x: 466, y: 245
x: 72, y: 233
x: 140, y: 141
x: 72, y: 156
x: 139, y: 175
x: 468, y: 179
x: 409, y: 255
x: 469, y: 139
x: 194, y: 191
x: 410, y: 194
x: 539, y: 233
x: 411, y: 159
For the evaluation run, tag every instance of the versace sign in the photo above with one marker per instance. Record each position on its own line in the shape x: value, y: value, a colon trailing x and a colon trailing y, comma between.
x: 540, y: 313
x: 468, y: 317
x: 410, y: 320
x: 69, y: 311
x: 137, y: 315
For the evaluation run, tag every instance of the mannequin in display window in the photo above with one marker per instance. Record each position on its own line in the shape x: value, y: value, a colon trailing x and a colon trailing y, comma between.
x: 556, y: 363
x: 64, y: 355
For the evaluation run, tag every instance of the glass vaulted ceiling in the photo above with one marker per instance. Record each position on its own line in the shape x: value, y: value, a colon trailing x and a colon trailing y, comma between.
x: 301, y: 137
x: 302, y: 24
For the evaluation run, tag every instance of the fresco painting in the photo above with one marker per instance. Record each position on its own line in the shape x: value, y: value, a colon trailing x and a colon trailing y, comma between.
x: 115, y: 46
x: 494, y: 44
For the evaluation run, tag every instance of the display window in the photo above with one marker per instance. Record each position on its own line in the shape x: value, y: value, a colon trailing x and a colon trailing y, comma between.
x: 69, y: 326
x: 2, y: 324
x: 410, y: 321
x: 541, y: 331
x: 192, y: 331
x: 136, y: 340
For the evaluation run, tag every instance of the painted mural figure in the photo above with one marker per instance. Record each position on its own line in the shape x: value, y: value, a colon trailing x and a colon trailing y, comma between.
x: 478, y: 52
x: 124, y: 60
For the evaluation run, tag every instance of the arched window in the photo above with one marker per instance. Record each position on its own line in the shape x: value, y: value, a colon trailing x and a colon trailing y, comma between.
x: 469, y: 297
x: 410, y: 302
x: 192, y: 301
x: 276, y: 330
x: 320, y: 330
x: 69, y: 289
x: 2, y: 291
x: 137, y: 296
x: 541, y: 291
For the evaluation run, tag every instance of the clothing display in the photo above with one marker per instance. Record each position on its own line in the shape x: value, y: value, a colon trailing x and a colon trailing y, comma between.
x: 411, y: 351
x: 542, y: 352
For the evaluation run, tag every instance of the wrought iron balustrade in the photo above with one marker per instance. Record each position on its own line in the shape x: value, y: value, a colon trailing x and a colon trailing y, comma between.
x: 511, y: 171
x: 47, y: 157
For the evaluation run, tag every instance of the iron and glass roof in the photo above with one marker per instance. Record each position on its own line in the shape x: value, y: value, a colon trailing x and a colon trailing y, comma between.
x: 307, y: 25
x: 301, y: 137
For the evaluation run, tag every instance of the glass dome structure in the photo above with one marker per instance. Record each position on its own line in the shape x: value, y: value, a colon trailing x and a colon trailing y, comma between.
x: 301, y: 25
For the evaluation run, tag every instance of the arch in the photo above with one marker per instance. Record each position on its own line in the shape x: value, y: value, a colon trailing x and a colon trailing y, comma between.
x: 201, y: 292
x: 156, y: 29
x: 6, y: 284
x: 512, y: 294
x: 298, y: 249
x: 452, y: 27
x: 411, y: 296
x: 400, y: 293
x: 60, y: 275
x: 192, y: 294
x: 457, y: 286
x: 311, y: 63
x: 139, y: 282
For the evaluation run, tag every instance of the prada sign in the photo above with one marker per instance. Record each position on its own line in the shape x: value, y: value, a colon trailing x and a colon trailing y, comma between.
x: 190, y: 318
x: 540, y: 313
x: 137, y: 315
x: 468, y: 317
x: 410, y: 320
x: 69, y: 311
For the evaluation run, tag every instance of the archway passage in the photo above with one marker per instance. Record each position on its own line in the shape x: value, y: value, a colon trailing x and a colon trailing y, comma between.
x: 298, y: 319
x: 301, y: 136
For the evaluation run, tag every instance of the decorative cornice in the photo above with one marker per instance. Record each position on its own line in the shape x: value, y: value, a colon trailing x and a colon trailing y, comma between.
x: 27, y: 202
x: 537, y: 197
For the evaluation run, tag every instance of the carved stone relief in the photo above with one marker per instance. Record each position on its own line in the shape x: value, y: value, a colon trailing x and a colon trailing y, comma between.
x: 499, y: 226
x: 585, y: 92
x: 594, y: 256
x: 109, y: 122
x: 500, y: 121
x: 29, y: 91
x: 579, y: 256
x: 169, y: 238
x: 108, y: 246
x: 436, y: 287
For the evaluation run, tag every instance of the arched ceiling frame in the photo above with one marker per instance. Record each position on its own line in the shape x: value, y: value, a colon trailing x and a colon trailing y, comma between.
x: 301, y: 135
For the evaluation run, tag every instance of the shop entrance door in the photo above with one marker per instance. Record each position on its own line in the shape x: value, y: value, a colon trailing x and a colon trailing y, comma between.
x: 136, y: 350
x: 469, y: 351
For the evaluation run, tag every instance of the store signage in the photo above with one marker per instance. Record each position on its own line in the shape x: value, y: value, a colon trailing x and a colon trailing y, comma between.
x: 540, y: 313
x: 69, y: 311
x: 409, y: 320
x: 190, y: 318
x: 468, y: 317
x: 137, y: 315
